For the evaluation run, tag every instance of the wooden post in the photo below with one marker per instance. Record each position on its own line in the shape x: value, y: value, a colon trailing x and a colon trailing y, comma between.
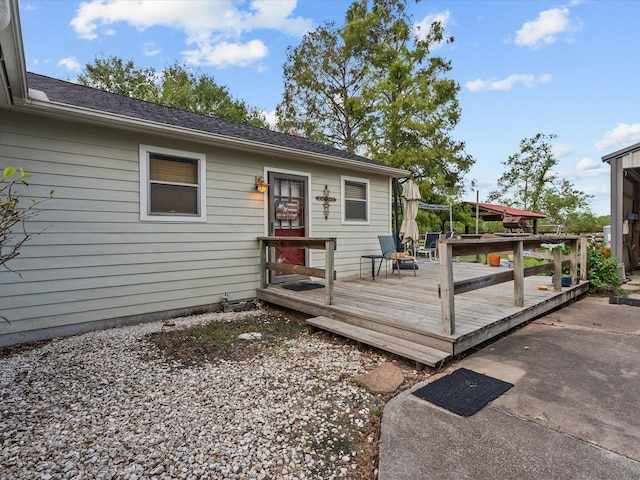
x: 328, y: 278
x: 263, y: 264
x: 518, y: 274
x: 446, y: 288
x: 573, y: 265
x: 557, y: 269
x: 584, y: 249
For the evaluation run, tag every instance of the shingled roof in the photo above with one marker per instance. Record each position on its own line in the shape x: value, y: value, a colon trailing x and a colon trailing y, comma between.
x: 73, y: 94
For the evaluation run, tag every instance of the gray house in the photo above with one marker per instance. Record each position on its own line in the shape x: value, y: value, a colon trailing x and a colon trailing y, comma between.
x: 625, y: 205
x: 157, y: 211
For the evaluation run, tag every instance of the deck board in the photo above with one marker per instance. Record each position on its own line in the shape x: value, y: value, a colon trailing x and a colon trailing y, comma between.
x: 409, y: 306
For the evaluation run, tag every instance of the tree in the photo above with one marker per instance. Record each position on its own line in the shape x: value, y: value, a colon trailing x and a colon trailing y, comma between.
x: 416, y: 105
x: 124, y: 78
x: 373, y: 87
x: 174, y: 87
x: 529, y: 183
x: 13, y: 214
x: 199, y: 93
x: 564, y: 204
x: 324, y: 97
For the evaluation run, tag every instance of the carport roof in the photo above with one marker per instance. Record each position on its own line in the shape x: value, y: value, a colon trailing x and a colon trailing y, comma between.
x: 491, y: 212
x: 618, y: 153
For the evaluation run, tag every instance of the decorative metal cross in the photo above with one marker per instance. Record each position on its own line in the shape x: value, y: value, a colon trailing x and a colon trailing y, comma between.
x: 326, y: 199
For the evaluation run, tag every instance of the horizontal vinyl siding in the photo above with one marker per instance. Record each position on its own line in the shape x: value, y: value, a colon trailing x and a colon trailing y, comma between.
x: 94, y: 259
x: 353, y: 240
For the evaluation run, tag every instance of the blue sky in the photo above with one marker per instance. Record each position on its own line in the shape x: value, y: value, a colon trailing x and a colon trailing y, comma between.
x: 565, y: 68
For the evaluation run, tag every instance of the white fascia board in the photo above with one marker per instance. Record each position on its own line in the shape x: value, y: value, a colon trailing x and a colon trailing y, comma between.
x: 119, y: 121
x: 15, y: 91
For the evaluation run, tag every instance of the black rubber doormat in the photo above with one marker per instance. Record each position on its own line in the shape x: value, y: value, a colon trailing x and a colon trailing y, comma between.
x: 301, y: 287
x: 463, y: 392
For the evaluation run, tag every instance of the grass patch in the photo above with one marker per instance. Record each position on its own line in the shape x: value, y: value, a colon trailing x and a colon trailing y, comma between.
x: 218, y: 340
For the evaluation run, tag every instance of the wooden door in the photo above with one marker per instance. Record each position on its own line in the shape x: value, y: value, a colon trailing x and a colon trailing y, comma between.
x: 287, y: 218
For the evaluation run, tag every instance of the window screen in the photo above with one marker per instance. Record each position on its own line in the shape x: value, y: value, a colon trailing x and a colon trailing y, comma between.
x: 173, y: 186
x: 355, y: 201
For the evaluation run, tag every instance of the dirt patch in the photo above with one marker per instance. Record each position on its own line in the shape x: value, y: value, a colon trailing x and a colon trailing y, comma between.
x: 9, y: 351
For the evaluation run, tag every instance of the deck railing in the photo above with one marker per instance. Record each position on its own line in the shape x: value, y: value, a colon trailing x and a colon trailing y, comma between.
x: 516, y: 246
x: 328, y: 273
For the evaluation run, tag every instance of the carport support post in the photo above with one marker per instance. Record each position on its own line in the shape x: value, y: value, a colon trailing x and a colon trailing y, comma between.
x: 446, y: 288
x: 518, y: 274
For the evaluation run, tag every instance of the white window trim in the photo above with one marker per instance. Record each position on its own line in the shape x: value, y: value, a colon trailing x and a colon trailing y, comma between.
x: 145, y: 150
x: 343, y: 179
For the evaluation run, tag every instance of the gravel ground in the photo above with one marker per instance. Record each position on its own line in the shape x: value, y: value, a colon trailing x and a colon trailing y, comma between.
x: 108, y: 405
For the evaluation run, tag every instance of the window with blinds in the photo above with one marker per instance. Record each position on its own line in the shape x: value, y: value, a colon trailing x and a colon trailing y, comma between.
x: 356, y: 201
x: 172, y: 185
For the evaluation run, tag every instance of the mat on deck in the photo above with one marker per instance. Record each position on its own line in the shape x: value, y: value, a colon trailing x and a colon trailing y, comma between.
x: 300, y: 287
x: 464, y: 391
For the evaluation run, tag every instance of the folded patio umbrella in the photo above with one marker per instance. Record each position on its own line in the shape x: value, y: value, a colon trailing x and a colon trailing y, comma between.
x: 410, y: 198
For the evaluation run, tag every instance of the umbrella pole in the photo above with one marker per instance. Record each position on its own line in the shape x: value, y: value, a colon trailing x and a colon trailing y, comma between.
x: 396, y: 197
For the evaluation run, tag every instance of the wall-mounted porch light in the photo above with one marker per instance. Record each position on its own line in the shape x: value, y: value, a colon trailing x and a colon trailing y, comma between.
x: 261, y: 185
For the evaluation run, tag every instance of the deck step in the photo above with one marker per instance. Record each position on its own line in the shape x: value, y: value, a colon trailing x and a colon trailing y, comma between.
x: 402, y: 347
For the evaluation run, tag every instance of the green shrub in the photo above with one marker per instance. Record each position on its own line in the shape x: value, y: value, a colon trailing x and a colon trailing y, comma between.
x: 603, y: 271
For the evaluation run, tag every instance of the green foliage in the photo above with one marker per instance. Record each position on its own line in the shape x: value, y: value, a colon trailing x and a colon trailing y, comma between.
x: 175, y: 86
x: 373, y: 87
x: 13, y: 215
x: 526, y: 174
x: 114, y: 75
x: 325, y: 91
x: 603, y: 271
x: 529, y: 183
x: 586, y: 222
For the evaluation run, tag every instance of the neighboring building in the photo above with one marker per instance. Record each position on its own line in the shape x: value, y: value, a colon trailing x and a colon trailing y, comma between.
x: 511, y: 218
x: 156, y: 211
x: 625, y: 205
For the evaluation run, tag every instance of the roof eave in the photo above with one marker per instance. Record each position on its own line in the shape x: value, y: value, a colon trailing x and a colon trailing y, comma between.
x: 13, y: 78
x: 120, y: 121
x: 607, y: 158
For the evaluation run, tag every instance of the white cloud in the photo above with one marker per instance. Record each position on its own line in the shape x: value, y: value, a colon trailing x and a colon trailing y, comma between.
x: 621, y: 136
x: 528, y: 81
x: 213, y: 27
x: 226, y: 54
x: 149, y: 49
x: 602, y: 171
x: 421, y: 28
x: 70, y: 63
x: 546, y: 28
x: 589, y: 168
x: 588, y: 164
x: 271, y: 117
x: 561, y: 150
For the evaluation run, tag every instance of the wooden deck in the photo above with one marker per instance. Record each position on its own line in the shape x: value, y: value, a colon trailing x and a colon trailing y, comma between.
x: 403, y: 315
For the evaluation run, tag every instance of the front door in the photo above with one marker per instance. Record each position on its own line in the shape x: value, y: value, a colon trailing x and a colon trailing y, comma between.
x: 287, y: 218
